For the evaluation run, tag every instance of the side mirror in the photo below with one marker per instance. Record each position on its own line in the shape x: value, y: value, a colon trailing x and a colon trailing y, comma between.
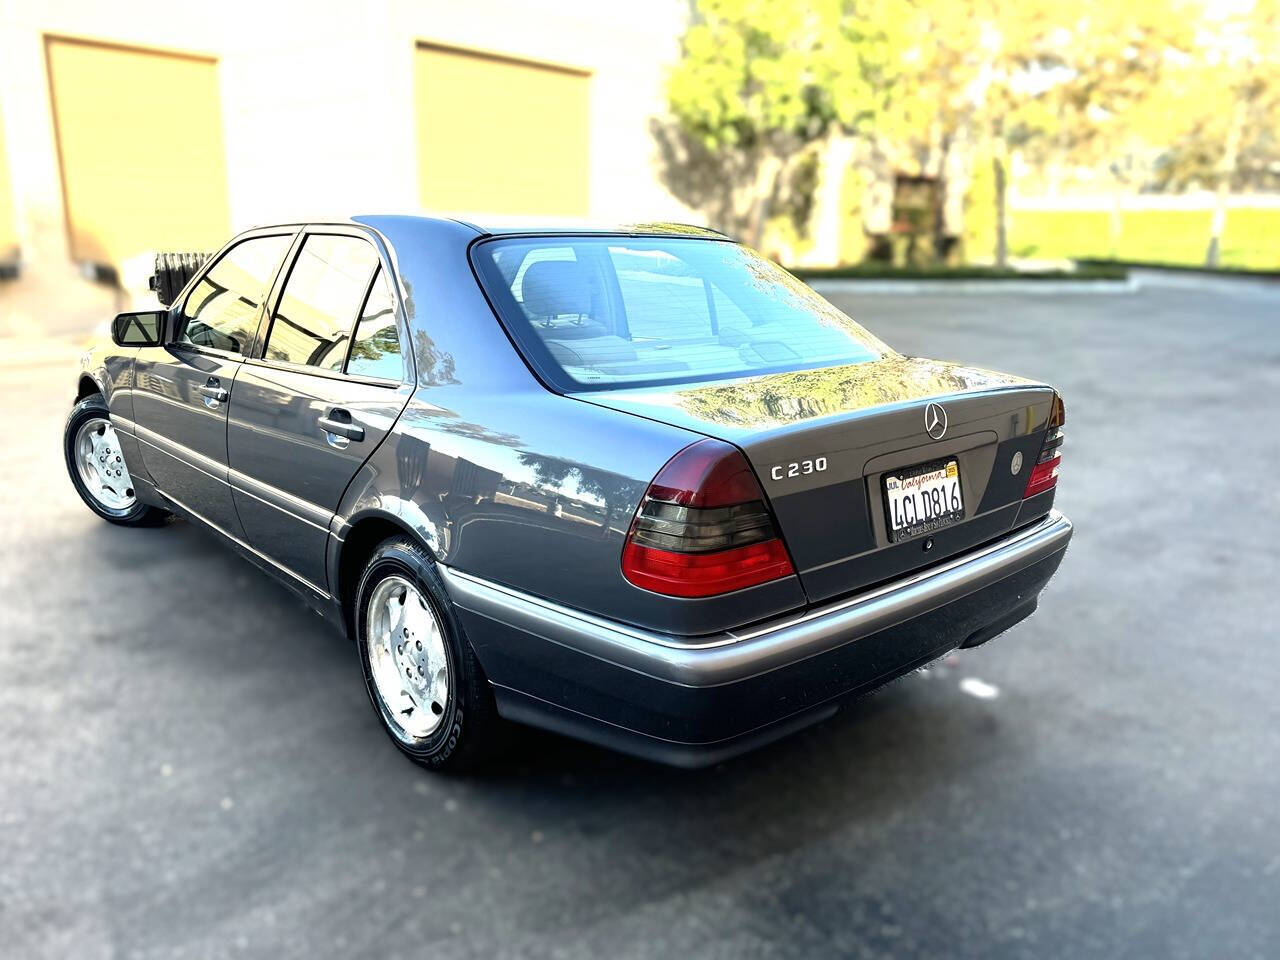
x: 142, y: 329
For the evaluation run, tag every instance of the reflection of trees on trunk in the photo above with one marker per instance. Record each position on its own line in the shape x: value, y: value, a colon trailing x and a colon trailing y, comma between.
x: 554, y: 473
x: 786, y: 397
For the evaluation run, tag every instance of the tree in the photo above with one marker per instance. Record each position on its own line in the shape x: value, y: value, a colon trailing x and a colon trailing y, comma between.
x: 997, y: 77
x: 935, y: 84
x: 760, y: 85
x: 1240, y: 67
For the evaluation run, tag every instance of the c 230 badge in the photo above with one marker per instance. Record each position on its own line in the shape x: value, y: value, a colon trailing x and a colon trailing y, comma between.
x: 797, y: 468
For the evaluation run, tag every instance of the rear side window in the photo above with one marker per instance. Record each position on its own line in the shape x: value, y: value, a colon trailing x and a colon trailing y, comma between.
x: 375, y: 351
x: 600, y: 312
x: 222, y: 310
x: 325, y: 292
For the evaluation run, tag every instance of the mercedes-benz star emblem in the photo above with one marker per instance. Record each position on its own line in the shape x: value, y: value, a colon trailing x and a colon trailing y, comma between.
x: 935, y: 421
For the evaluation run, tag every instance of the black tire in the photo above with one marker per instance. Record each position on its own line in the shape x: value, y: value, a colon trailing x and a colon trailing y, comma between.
x: 468, y: 728
x: 138, y: 514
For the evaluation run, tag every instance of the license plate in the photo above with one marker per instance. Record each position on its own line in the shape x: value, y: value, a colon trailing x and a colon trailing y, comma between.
x: 923, y: 499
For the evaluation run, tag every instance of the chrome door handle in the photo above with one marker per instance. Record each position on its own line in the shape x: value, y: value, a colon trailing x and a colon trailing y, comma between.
x: 342, y: 428
x: 214, y: 395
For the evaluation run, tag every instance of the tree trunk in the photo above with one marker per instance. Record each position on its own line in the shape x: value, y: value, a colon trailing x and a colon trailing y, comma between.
x: 877, y: 202
x: 766, y: 183
x: 999, y: 160
x: 1116, y: 220
x: 1230, y: 154
x: 828, y: 219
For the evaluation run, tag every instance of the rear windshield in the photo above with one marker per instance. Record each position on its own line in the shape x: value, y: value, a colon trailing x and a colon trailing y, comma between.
x: 603, y: 312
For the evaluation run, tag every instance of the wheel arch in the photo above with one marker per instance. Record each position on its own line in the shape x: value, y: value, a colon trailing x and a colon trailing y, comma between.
x: 87, y: 387
x: 363, y: 535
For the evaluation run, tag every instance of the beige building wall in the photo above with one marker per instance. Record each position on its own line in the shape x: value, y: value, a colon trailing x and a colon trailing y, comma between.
x: 319, y: 102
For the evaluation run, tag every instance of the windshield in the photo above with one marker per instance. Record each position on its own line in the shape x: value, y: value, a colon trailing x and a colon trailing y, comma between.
x: 601, y: 312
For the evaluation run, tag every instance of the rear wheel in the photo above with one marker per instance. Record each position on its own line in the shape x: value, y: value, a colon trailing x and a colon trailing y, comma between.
x: 423, y: 679
x: 97, y: 467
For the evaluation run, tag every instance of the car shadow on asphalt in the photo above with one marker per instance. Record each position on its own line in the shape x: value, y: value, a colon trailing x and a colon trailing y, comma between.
x: 873, y: 761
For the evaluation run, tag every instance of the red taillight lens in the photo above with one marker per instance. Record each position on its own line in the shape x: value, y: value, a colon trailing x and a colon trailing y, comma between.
x: 1044, y: 475
x: 703, y: 527
x: 704, y: 574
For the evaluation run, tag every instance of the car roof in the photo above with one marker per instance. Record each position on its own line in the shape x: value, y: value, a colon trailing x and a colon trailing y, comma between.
x: 505, y: 227
x: 525, y: 226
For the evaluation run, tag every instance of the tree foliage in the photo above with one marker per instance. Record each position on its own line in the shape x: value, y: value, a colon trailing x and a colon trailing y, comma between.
x: 1229, y: 90
x: 1143, y: 93
x: 761, y: 82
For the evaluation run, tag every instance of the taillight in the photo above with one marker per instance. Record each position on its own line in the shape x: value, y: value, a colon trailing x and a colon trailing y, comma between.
x: 703, y: 527
x: 1044, y: 475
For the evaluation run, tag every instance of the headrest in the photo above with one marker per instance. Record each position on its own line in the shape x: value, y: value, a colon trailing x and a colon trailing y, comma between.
x: 552, y: 288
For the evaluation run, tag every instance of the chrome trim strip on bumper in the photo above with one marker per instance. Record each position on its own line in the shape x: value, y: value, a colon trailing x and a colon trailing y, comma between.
x: 732, y: 656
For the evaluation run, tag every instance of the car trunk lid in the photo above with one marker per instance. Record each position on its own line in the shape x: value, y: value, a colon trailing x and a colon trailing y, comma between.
x: 822, y: 442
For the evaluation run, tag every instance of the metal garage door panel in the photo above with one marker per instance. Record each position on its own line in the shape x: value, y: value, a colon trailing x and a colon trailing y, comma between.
x: 497, y: 135
x: 140, y: 143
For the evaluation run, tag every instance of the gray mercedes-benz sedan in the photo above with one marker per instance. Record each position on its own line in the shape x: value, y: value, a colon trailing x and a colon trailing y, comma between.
x: 637, y: 486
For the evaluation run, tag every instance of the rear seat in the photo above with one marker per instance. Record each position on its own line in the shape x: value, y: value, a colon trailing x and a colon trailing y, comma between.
x: 557, y: 299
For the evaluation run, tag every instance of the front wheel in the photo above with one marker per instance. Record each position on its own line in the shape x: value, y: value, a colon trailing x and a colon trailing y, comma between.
x: 422, y: 676
x: 97, y: 467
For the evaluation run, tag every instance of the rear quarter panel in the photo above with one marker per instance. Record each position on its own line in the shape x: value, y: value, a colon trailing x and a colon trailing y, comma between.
x: 507, y: 481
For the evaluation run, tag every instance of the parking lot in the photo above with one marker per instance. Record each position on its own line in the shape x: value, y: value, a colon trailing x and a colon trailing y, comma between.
x: 189, y: 765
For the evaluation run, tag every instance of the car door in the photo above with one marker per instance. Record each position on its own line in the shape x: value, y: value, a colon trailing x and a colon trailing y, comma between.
x: 327, y: 386
x: 183, y: 389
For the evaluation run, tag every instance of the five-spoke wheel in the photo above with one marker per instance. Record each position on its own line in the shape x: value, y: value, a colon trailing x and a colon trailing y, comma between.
x: 407, y: 658
x: 422, y: 676
x: 101, y: 465
x: 98, y: 469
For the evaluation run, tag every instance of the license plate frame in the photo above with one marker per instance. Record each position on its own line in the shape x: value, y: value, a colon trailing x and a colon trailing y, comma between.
x: 896, y: 488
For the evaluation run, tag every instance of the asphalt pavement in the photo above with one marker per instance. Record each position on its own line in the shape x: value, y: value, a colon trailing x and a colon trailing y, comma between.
x: 189, y: 766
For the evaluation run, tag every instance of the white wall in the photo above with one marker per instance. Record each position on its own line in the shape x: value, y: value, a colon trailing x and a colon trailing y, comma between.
x: 317, y: 98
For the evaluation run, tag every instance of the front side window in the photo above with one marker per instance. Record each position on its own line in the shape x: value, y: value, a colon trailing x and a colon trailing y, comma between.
x: 322, y: 297
x: 222, y: 310
x: 603, y: 312
x: 375, y: 350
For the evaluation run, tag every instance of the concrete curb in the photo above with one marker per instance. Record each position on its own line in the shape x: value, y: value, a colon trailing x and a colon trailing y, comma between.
x: 1047, y: 287
x: 1194, y: 280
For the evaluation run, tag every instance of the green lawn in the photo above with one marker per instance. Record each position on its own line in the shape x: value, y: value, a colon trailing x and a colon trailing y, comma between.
x: 1251, y: 238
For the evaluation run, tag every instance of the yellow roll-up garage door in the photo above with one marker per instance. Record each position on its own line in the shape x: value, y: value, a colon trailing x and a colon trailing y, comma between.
x: 140, y: 144
x: 498, y: 135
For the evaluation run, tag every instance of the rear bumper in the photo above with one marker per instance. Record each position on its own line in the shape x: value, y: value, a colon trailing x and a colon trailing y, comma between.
x: 696, y: 701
